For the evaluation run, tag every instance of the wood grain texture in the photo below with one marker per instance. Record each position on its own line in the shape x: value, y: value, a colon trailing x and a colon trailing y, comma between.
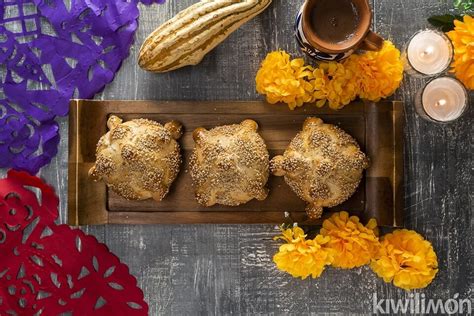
x: 377, y: 127
x: 228, y: 269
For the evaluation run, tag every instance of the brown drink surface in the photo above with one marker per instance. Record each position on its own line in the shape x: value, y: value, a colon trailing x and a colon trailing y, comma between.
x: 335, y: 21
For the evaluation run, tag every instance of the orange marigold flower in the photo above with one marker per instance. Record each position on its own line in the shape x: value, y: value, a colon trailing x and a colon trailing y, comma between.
x: 302, y: 257
x: 372, y: 76
x: 335, y: 84
x: 354, y: 244
x: 379, y: 73
x: 407, y: 259
x: 462, y: 38
x: 285, y: 80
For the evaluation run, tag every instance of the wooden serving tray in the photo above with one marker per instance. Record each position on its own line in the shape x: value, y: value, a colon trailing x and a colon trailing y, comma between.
x: 377, y: 127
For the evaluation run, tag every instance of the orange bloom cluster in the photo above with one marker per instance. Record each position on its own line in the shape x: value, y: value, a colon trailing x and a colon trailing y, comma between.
x: 343, y: 242
x: 302, y: 257
x: 334, y: 83
x: 407, y: 259
x: 285, y: 80
x: 378, y: 74
x: 355, y: 244
x: 371, y: 76
x: 462, y: 38
x: 403, y: 257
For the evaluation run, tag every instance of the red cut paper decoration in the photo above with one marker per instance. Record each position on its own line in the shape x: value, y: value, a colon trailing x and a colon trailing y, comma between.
x: 49, y: 269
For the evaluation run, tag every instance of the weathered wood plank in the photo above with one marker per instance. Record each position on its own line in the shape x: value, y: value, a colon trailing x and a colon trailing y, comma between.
x: 438, y: 166
x: 221, y: 269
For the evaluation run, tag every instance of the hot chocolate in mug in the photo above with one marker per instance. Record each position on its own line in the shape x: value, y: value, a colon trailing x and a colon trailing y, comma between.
x: 331, y: 30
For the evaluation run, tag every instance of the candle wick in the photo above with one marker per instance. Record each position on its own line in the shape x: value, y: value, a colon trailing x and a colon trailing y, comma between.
x: 428, y: 51
x: 441, y: 102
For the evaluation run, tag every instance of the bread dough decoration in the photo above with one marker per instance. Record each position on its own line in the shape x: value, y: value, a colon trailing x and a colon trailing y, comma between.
x: 229, y: 164
x: 323, y: 165
x: 138, y: 159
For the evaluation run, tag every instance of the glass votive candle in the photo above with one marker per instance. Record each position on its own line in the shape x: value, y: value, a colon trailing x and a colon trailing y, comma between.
x: 443, y: 99
x: 428, y: 53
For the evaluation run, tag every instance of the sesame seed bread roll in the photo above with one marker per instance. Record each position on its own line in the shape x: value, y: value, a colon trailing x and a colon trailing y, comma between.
x: 229, y: 164
x: 323, y: 165
x: 138, y: 159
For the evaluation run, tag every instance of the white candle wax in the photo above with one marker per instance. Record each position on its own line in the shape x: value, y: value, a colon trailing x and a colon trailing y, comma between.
x: 444, y: 99
x: 429, y: 52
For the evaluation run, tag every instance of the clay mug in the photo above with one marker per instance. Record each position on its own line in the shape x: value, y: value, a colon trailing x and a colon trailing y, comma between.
x: 331, y: 30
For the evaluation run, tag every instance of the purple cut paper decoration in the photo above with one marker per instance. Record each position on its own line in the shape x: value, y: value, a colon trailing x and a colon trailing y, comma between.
x: 50, y: 53
x: 22, y: 139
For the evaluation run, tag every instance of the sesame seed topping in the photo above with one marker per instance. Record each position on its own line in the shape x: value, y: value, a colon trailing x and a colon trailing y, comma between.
x: 137, y: 159
x: 323, y: 165
x: 229, y: 165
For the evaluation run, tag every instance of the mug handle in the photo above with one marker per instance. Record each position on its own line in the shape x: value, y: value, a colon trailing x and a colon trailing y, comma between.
x: 372, y: 41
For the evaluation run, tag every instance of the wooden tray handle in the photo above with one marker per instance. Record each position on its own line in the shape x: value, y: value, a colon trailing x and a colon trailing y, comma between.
x: 384, y: 177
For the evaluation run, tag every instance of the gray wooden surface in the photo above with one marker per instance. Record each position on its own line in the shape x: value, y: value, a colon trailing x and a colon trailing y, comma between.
x: 228, y: 269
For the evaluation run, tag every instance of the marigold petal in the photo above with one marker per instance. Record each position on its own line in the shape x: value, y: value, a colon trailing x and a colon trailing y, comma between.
x: 407, y: 259
x: 462, y: 38
x: 354, y: 244
x: 302, y: 257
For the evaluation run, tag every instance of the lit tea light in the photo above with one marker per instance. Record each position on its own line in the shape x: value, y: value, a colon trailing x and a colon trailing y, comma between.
x: 443, y: 99
x: 440, y: 102
x: 428, y: 53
